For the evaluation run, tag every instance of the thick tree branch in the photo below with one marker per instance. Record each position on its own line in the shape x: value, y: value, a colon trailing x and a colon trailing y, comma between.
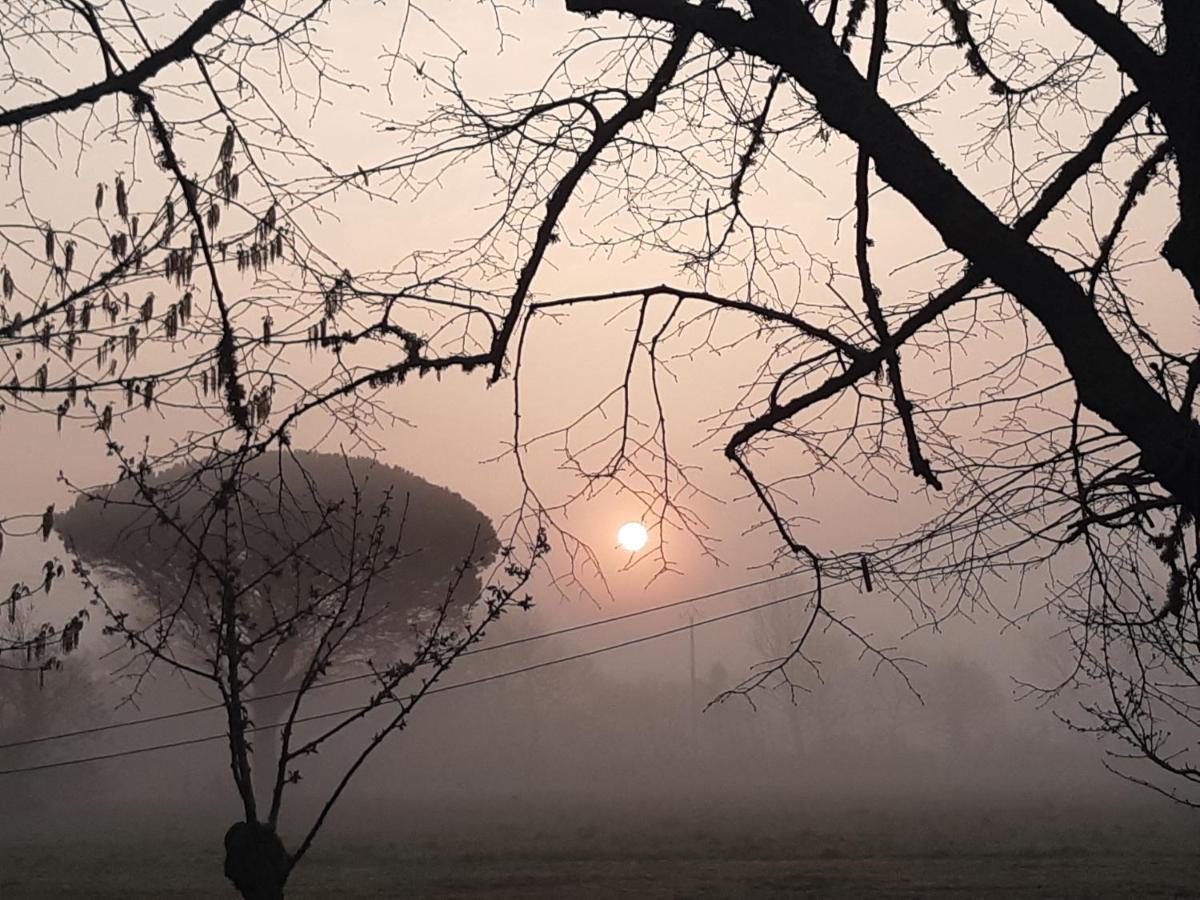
x: 1114, y: 37
x: 1107, y: 380
x: 132, y: 80
x: 870, y: 293
x: 604, y: 135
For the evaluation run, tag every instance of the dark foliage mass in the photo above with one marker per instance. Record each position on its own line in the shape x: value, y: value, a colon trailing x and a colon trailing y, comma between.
x: 292, y: 523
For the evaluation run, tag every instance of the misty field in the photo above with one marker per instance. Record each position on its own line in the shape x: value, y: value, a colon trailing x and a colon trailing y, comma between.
x: 714, y: 850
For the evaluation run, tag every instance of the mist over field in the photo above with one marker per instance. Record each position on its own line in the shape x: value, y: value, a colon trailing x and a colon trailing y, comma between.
x: 607, y: 776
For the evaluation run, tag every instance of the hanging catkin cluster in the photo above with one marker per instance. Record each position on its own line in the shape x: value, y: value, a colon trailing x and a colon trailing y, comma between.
x: 260, y: 405
x: 335, y: 296
x: 267, y: 246
x: 122, y: 200
x: 227, y: 179
x: 131, y: 342
x: 260, y: 254
x: 112, y: 308
x: 179, y: 266
x: 143, y: 390
x: 177, y: 314
x: 72, y: 630
x: 317, y: 335
x: 104, y: 352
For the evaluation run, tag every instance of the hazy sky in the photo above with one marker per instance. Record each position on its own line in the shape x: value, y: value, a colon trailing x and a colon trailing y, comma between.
x: 458, y: 423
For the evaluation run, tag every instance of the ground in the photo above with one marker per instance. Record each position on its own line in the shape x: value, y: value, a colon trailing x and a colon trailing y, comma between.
x: 1026, y: 852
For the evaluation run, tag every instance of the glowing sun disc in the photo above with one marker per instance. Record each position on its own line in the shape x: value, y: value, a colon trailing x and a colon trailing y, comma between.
x: 633, y: 536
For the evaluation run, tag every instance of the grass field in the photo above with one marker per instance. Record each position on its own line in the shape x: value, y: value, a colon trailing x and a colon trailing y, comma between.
x: 716, y: 852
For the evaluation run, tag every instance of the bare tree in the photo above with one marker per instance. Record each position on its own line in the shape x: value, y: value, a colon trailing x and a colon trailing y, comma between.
x: 258, y: 566
x: 118, y: 302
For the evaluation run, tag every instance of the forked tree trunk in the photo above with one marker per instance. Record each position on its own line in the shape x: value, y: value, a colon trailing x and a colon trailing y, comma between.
x: 256, y: 861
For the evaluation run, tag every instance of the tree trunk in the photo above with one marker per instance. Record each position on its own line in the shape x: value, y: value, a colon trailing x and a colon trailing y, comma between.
x: 1179, y: 105
x: 256, y: 861
x: 269, y: 710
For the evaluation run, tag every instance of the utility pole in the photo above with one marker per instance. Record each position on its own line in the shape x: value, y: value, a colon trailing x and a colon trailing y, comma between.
x: 692, y: 653
x: 692, y: 672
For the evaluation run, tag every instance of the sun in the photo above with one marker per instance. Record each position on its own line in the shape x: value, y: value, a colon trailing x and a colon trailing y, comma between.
x: 632, y: 536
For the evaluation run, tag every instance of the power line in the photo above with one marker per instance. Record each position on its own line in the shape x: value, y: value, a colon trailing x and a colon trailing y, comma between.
x: 558, y: 632
x: 486, y: 679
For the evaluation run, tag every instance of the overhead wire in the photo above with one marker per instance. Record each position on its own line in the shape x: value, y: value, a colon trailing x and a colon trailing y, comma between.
x: 473, y: 682
x: 557, y: 632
